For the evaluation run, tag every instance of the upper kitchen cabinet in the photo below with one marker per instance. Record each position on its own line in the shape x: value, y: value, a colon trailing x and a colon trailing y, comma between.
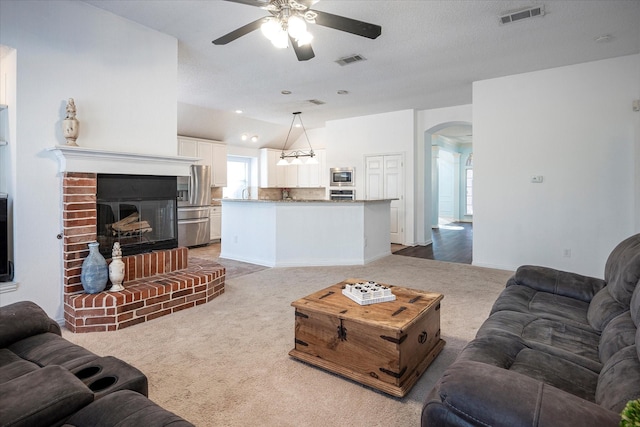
x: 270, y: 174
x: 211, y: 153
x: 291, y: 176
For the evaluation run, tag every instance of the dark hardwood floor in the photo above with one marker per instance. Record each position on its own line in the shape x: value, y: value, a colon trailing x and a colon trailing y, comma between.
x: 451, y: 242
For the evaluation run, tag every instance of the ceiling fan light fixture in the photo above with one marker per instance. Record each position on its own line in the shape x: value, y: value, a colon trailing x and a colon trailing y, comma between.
x: 280, y: 39
x: 296, y: 26
x: 270, y: 28
x: 305, y: 39
x: 291, y: 17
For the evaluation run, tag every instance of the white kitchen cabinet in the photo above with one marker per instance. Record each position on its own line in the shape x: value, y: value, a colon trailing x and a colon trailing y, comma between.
x: 215, y: 218
x: 211, y: 153
x: 219, y: 165
x: 188, y: 147
x: 271, y: 175
x: 312, y: 176
x: 291, y: 176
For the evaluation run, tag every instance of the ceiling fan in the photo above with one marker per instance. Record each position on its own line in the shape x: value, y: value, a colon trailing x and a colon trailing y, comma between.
x: 288, y: 23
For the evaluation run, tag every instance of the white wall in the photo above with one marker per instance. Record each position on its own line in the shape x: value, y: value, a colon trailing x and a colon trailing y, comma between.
x: 348, y: 141
x: 574, y: 126
x: 123, y: 78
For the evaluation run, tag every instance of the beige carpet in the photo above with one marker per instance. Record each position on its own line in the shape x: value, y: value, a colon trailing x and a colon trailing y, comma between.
x: 225, y: 363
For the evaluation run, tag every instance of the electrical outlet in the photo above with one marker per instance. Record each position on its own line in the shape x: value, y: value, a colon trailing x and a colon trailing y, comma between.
x: 537, y: 179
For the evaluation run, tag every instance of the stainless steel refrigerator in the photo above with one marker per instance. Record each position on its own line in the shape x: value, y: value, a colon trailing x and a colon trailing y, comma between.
x: 194, y: 200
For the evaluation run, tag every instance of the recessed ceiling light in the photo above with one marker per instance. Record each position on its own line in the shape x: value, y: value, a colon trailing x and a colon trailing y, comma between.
x: 343, y: 92
x: 254, y: 138
x: 285, y: 92
x: 244, y: 136
x: 239, y: 111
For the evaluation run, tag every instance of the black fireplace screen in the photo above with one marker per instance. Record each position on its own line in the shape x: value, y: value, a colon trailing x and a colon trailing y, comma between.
x: 139, y: 211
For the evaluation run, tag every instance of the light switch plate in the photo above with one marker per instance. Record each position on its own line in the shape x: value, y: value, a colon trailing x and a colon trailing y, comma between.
x: 537, y: 179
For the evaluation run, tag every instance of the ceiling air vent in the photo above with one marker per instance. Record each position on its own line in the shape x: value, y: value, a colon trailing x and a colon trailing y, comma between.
x: 316, y: 101
x: 521, y: 14
x: 350, y: 59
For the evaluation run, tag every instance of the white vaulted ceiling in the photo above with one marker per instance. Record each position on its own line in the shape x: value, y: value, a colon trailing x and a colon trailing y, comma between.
x: 427, y: 57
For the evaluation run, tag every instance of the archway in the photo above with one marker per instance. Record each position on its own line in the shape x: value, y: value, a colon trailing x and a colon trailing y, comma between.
x: 434, y: 138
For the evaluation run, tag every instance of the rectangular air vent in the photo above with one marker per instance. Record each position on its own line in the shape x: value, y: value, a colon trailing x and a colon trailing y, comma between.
x: 316, y: 101
x: 521, y: 14
x: 351, y: 59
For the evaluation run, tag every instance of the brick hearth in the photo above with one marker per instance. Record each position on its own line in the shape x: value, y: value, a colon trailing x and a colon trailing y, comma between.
x: 156, y: 283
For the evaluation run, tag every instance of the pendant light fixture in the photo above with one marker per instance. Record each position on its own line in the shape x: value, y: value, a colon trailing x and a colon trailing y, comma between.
x: 296, y: 155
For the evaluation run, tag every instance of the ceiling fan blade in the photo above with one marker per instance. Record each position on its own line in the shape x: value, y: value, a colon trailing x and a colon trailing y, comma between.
x: 256, y: 3
x: 235, y: 34
x: 349, y: 25
x: 304, y: 53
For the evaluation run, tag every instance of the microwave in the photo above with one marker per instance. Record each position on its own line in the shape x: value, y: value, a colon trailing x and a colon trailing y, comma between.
x: 342, y: 177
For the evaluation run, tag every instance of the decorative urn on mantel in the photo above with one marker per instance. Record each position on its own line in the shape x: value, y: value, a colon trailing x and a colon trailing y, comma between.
x: 70, y: 125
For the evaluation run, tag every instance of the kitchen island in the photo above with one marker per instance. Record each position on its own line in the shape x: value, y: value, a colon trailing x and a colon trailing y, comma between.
x: 291, y: 233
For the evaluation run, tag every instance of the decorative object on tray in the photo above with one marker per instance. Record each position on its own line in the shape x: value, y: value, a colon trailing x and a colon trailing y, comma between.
x: 365, y: 293
x: 70, y: 125
x: 285, y: 193
x: 94, y: 271
x: 116, y: 269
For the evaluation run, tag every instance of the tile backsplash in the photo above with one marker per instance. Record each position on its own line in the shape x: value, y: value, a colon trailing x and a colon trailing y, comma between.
x: 276, y: 194
x: 216, y: 193
x: 294, y: 193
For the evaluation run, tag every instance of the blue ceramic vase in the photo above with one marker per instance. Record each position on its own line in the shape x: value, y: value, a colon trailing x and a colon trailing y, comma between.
x: 95, y: 271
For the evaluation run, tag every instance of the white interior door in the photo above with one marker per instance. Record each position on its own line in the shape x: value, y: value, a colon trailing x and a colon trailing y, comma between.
x: 385, y: 180
x: 374, y: 178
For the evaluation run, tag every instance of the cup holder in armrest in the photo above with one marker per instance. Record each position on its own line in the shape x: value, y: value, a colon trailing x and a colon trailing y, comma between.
x: 107, y: 374
x: 103, y: 383
x: 88, y: 372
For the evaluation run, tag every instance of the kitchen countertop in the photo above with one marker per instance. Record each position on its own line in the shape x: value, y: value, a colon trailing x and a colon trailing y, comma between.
x: 306, y: 201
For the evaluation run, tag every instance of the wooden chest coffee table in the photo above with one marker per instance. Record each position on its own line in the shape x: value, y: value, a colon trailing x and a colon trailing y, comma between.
x: 386, y: 345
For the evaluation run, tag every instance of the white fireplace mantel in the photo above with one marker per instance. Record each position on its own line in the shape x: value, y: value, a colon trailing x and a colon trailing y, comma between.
x: 91, y: 160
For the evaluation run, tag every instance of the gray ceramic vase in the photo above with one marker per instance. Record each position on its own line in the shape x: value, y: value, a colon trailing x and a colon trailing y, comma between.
x: 95, y: 272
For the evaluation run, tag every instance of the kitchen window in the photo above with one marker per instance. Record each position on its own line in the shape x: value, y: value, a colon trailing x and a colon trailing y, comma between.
x: 238, y: 178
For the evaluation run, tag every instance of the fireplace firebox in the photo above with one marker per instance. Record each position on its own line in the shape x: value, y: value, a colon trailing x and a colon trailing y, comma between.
x: 139, y: 211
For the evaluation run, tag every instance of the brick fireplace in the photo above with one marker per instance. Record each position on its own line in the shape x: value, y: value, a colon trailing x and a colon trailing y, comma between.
x: 156, y: 284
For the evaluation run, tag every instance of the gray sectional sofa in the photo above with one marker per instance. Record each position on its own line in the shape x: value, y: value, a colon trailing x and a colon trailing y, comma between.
x: 558, y: 349
x: 46, y: 380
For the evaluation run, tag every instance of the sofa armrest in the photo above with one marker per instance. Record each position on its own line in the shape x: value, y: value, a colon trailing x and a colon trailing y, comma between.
x: 125, y: 408
x: 44, y: 397
x: 476, y: 394
x: 22, y: 320
x: 557, y: 282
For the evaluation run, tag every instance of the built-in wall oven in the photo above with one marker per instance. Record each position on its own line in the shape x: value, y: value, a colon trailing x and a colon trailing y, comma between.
x: 335, y: 194
x: 342, y: 177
